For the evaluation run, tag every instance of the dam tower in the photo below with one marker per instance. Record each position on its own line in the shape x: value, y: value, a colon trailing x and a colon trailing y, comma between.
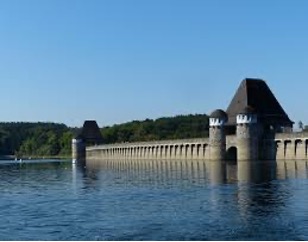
x: 217, y: 136
x: 247, y: 135
x: 89, y: 134
x: 78, y: 148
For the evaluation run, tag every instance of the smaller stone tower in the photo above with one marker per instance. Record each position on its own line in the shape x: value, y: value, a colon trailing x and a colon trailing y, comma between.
x: 78, y: 149
x: 88, y: 135
x: 217, y: 136
x: 247, y: 134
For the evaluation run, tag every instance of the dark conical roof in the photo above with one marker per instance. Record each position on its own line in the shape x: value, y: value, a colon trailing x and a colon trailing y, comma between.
x: 90, y: 132
x: 219, y: 113
x: 247, y: 110
x: 256, y: 94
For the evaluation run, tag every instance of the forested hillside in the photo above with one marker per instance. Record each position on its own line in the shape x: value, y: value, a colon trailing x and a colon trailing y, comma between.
x: 35, y: 139
x: 51, y: 139
x: 179, y: 127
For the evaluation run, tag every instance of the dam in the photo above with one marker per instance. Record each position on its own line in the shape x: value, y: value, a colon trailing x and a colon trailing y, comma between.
x: 287, y: 146
x: 253, y: 127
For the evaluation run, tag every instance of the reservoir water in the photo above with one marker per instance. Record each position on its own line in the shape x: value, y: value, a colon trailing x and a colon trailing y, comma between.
x: 153, y: 200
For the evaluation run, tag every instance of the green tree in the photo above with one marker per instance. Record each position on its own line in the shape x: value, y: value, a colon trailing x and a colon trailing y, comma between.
x: 179, y: 127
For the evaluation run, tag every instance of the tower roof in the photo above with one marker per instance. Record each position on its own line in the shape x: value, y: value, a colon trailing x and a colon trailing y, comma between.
x: 255, y: 93
x: 247, y: 110
x: 90, y: 132
x: 219, y: 113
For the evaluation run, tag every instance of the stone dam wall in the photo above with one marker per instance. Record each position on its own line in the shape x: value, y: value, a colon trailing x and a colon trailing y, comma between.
x: 289, y: 146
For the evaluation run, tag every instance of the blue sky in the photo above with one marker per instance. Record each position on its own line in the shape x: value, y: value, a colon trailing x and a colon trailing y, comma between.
x: 116, y: 61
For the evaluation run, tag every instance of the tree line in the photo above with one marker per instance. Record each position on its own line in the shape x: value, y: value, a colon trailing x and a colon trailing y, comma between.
x: 40, y: 139
x: 35, y: 139
x: 178, y: 127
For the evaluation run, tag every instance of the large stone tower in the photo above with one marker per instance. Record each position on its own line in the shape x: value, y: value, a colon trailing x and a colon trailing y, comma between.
x: 255, y: 93
x: 217, y: 136
x: 247, y: 134
x: 267, y: 112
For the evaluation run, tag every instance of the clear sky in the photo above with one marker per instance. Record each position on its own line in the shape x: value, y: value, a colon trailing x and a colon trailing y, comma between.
x: 116, y: 61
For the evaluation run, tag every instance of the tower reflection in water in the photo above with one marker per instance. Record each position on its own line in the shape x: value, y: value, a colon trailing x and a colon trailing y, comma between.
x: 201, y: 172
x: 247, y: 196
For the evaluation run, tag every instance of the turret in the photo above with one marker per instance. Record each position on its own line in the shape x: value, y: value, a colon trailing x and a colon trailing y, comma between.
x: 217, y: 136
x: 247, y: 134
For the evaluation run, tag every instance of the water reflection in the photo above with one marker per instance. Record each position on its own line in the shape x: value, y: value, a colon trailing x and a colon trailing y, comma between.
x: 154, y: 200
x: 195, y: 171
x: 217, y: 172
x: 256, y: 171
x: 88, y: 177
x: 246, y: 198
x: 292, y: 169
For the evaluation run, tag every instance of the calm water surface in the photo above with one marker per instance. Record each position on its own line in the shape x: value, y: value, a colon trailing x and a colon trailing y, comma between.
x: 147, y: 200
